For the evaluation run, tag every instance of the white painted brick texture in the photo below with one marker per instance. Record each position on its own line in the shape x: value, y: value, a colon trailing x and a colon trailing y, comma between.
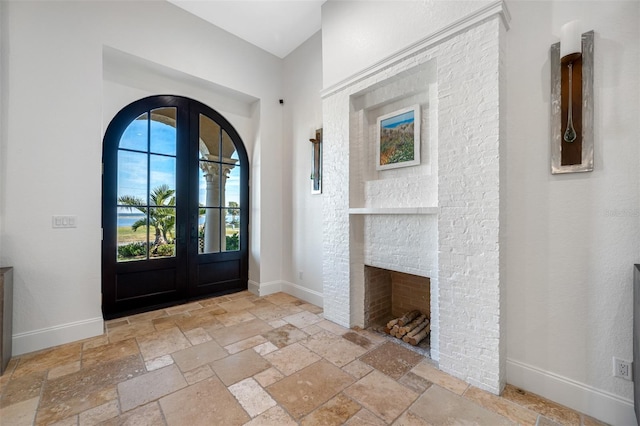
x: 460, y: 248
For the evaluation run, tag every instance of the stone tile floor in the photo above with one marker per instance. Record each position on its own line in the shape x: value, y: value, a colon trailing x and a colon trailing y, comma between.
x: 246, y: 360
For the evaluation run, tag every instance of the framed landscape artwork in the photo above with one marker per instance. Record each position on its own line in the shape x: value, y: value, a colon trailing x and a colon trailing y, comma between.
x: 398, y: 143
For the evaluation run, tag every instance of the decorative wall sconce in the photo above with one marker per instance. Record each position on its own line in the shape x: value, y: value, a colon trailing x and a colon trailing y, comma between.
x: 572, y: 101
x: 316, y: 163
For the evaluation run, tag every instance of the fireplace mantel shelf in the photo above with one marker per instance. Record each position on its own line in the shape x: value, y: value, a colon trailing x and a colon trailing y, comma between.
x: 394, y: 210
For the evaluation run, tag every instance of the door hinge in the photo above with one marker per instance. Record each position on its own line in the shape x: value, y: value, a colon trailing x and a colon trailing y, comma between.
x: 101, y: 234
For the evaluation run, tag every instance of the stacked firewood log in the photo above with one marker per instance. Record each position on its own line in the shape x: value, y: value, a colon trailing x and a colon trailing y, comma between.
x: 412, y: 327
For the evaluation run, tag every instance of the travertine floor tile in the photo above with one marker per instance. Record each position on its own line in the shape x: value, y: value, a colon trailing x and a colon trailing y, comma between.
x: 147, y: 415
x: 381, y: 395
x: 245, y: 344
x: 57, y: 411
x: 304, y: 391
x: 91, y: 386
x: 273, y: 416
x: 335, y: 412
x: 158, y: 363
x: 281, y: 298
x: 414, y: 382
x: 198, y: 374
x: 196, y: 319
x: 268, y: 376
x: 273, y: 312
x: 21, y: 413
x: 234, y: 318
x: 63, y: 370
x: 540, y: 405
x: 358, y: 339
x: 69, y: 421
x: 302, y: 319
x: 333, y: 348
x: 197, y: 336
x: 237, y: 305
x: 410, y: 419
x: 108, y: 352
x: 504, y: 407
x: 312, y: 329
x: 199, y: 355
x: 279, y: 323
x: 226, y: 336
x: 128, y: 331
x: 432, y: 374
x: 47, y: 359
x: 159, y: 343
x: 253, y: 398
x: 206, y: 403
x: 265, y: 348
x: 99, y: 414
x: 364, y: 417
x: 332, y: 327
x: 157, y: 369
x: 311, y: 308
x: 357, y: 369
x: 392, y: 359
x: 285, y: 335
x: 236, y: 367
x: 439, y: 406
x: 95, y: 342
x: 22, y: 388
x: 291, y: 358
x: 149, y: 387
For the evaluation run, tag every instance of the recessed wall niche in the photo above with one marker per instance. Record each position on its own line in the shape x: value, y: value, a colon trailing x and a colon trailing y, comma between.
x: 414, y: 186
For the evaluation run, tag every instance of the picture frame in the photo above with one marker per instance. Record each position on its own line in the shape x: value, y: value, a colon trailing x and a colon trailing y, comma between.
x: 398, y: 139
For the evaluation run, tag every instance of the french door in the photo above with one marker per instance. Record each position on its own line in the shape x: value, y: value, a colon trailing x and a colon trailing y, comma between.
x: 175, y: 206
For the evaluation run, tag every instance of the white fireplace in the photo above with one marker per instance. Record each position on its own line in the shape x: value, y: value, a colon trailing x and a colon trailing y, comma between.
x: 439, y: 219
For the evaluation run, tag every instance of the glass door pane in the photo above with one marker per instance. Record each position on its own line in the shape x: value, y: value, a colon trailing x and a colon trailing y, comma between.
x: 146, y: 188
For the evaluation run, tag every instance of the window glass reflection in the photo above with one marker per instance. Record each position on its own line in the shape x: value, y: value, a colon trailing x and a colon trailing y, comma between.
x: 135, y: 136
x: 132, y: 177
x: 163, y: 131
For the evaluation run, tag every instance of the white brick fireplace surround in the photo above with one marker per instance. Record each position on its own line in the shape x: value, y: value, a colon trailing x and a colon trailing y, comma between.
x: 440, y: 219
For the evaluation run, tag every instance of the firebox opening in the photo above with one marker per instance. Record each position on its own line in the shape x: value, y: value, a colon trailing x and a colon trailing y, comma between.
x: 390, y: 295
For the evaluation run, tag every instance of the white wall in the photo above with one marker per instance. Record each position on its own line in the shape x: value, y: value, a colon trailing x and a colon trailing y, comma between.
x: 358, y: 34
x: 4, y: 90
x: 53, y: 146
x: 302, y: 76
x: 573, y: 239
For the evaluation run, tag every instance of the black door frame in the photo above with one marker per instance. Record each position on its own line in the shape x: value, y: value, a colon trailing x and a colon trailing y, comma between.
x: 190, y: 283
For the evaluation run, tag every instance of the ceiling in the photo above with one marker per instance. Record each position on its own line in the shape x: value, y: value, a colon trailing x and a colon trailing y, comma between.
x: 277, y: 26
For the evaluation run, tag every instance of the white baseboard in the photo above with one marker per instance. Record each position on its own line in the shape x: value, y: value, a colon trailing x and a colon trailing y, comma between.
x: 36, y: 340
x: 602, y: 405
x: 303, y: 293
x: 306, y: 294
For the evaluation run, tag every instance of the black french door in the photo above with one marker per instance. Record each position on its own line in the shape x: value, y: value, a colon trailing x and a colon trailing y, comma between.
x: 175, y: 206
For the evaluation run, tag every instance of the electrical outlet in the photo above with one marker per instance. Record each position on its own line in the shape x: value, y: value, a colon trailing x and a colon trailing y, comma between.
x: 300, y: 275
x: 622, y: 368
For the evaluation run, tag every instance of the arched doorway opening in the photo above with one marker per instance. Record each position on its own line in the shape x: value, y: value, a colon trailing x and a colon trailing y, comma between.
x: 175, y: 206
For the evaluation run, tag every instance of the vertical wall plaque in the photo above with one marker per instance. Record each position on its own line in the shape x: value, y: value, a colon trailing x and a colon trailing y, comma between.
x: 572, y: 107
x: 316, y: 163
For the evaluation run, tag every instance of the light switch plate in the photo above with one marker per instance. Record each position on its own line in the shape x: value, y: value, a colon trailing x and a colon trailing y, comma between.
x: 64, y: 221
